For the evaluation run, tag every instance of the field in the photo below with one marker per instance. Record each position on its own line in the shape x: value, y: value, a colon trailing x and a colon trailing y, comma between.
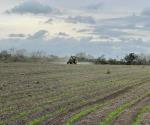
x: 54, y: 94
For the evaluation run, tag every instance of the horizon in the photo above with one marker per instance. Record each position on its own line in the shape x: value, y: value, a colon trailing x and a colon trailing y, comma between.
x: 112, y: 28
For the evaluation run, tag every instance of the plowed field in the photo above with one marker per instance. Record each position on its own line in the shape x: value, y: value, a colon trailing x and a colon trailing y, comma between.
x: 53, y: 94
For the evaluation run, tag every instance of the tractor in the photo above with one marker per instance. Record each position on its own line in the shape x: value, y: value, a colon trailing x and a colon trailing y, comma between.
x: 72, y: 60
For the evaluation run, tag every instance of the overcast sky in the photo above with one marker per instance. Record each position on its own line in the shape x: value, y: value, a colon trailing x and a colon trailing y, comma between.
x: 66, y: 27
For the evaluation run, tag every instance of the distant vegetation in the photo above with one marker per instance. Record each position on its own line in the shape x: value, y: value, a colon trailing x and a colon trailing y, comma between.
x: 130, y: 59
x: 14, y: 55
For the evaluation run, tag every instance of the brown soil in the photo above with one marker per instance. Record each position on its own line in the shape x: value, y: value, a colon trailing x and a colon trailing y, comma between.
x: 95, y: 117
x: 146, y: 119
x: 40, y: 89
x: 61, y: 119
x: 127, y: 117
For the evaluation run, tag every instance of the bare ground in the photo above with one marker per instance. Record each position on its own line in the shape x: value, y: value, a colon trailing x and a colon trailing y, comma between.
x: 145, y: 119
x: 25, y: 87
x: 96, y: 117
x: 127, y: 117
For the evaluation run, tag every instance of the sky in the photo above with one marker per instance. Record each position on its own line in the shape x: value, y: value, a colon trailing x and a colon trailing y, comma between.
x: 65, y: 27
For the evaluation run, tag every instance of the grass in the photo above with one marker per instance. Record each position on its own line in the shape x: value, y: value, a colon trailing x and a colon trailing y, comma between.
x: 2, y: 123
x: 140, y: 113
x: 114, y: 114
x: 76, y: 117
x: 111, y: 116
x: 19, y: 115
x: 83, y: 113
x: 39, y: 120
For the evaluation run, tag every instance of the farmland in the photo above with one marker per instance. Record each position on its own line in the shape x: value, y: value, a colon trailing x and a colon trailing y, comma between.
x: 54, y: 94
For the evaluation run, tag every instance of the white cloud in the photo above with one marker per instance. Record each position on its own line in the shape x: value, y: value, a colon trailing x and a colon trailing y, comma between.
x: 81, y: 19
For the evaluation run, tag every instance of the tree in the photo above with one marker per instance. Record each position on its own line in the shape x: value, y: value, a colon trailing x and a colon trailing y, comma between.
x: 4, y: 55
x: 131, y: 58
x: 101, y: 60
x: 113, y: 61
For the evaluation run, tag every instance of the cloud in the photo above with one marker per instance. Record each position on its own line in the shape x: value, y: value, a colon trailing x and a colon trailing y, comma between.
x: 146, y: 12
x: 124, y: 22
x: 49, y: 21
x: 69, y: 46
x: 96, y: 6
x: 109, y: 32
x: 83, y: 30
x: 38, y: 35
x: 136, y: 26
x: 62, y: 34
x: 17, y: 35
x: 33, y: 7
x: 81, y: 19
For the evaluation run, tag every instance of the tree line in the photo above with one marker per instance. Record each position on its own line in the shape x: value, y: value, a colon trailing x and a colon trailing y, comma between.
x: 129, y: 59
x: 21, y: 55
x: 14, y: 55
